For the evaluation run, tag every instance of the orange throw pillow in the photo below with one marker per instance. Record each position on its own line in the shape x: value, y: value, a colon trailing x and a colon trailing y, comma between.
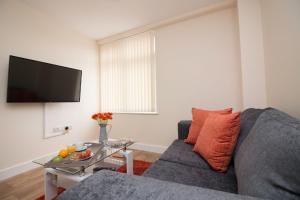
x: 217, y: 139
x: 199, y: 117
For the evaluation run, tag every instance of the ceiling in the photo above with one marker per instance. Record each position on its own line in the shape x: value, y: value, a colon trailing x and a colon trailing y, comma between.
x: 101, y: 18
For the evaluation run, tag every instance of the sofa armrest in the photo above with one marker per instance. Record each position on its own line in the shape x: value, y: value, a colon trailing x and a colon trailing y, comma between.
x: 108, y: 185
x: 183, y: 129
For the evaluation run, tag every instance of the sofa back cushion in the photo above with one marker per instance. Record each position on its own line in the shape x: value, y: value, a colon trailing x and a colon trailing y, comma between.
x: 267, y: 164
x: 248, y: 119
x: 217, y: 139
x: 183, y: 129
x: 199, y: 117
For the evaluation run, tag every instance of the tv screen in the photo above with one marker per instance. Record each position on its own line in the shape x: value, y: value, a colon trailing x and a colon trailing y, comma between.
x: 34, y: 81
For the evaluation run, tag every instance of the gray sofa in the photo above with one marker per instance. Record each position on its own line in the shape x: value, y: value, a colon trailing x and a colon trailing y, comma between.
x: 265, y: 165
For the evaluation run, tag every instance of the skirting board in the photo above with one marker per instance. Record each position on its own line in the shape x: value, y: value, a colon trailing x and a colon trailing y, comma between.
x: 29, y: 165
x: 20, y: 168
x: 148, y: 147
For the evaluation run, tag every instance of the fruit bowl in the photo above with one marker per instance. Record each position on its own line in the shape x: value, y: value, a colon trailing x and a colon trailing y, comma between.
x: 83, y: 155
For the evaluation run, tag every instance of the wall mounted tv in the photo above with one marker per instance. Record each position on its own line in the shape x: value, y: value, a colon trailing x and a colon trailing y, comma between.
x: 34, y: 81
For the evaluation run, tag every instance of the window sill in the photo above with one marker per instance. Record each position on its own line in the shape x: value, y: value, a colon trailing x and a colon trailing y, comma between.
x: 137, y: 113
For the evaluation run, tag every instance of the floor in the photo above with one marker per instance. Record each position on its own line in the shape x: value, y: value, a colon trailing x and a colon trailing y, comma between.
x: 29, y: 185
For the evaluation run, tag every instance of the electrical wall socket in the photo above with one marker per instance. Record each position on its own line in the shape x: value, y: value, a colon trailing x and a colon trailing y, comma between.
x: 67, y: 128
x: 56, y: 130
x: 62, y: 129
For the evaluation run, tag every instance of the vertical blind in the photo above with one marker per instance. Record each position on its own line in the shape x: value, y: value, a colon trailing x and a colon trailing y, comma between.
x: 127, y: 75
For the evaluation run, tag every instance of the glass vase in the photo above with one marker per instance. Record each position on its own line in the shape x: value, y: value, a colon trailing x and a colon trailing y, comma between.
x: 104, y: 130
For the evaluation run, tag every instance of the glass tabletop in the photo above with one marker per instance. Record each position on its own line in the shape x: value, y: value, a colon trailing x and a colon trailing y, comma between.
x: 99, y: 153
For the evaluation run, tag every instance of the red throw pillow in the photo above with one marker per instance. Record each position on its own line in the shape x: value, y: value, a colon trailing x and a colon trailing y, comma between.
x: 217, y: 139
x: 199, y: 117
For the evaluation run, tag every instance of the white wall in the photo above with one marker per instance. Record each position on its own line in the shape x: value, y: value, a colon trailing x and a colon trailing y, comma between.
x: 198, y: 65
x: 252, y: 54
x: 27, y: 33
x: 281, y: 31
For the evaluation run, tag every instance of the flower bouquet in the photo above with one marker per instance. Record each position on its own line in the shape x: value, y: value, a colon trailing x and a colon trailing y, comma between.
x: 102, y: 119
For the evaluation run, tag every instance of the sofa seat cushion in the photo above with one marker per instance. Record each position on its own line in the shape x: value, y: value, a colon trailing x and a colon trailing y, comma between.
x: 267, y: 162
x: 206, y: 178
x: 180, y: 152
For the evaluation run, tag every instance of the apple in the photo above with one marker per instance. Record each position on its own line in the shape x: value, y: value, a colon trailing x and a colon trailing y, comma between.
x: 88, y: 153
x: 57, y: 159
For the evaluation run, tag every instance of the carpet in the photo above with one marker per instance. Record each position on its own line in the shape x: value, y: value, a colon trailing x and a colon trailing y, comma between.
x: 59, y: 191
x: 139, y: 167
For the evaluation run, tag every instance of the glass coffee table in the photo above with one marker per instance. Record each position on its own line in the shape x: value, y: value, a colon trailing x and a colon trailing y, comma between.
x: 77, y: 170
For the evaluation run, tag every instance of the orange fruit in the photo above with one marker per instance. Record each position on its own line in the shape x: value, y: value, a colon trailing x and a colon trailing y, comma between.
x: 71, y: 149
x: 63, y: 153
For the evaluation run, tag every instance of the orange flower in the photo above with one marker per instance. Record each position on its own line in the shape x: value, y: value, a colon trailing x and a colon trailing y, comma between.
x: 95, y: 116
x: 100, y: 117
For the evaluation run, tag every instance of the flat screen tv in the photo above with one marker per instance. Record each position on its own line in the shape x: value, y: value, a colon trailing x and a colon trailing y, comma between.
x: 34, y: 81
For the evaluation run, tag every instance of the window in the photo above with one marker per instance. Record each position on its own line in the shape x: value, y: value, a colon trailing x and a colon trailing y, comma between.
x: 128, y: 77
